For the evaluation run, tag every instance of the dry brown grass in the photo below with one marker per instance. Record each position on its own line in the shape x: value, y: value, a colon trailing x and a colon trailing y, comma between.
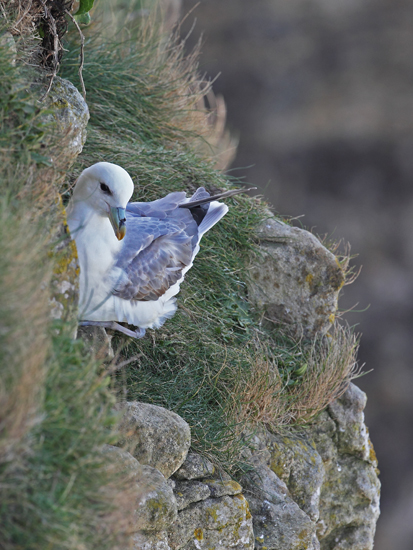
x: 25, y: 274
x: 266, y: 396
x: 22, y: 16
x: 259, y: 397
x: 331, y: 365
x: 191, y: 111
x: 199, y: 112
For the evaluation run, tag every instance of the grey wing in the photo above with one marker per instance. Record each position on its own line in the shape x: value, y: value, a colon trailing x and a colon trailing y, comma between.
x: 160, y: 242
x: 160, y: 208
x: 153, y: 256
x: 165, y: 207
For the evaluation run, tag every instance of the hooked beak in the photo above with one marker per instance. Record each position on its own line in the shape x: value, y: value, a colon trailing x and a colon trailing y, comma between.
x: 117, y: 218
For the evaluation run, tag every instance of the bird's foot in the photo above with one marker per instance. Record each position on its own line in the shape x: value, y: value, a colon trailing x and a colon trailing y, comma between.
x: 139, y: 333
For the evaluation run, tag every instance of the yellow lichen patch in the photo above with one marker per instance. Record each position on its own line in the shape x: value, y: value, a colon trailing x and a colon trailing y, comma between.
x: 199, y: 534
x: 233, y: 485
x: 245, y: 506
x: 229, y: 484
x: 309, y: 278
x: 331, y: 317
x: 212, y: 511
x: 277, y: 467
x: 64, y: 282
x: 61, y: 103
x: 372, y: 455
x: 341, y: 284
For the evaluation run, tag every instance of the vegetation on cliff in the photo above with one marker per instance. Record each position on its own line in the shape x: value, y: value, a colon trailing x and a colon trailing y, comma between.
x: 213, y: 363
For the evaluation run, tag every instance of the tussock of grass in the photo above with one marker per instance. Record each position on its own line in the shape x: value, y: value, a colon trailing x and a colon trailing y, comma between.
x: 61, y: 494
x: 23, y: 329
x: 212, y: 363
x: 331, y: 364
x: 292, y: 386
x: 55, y: 406
x: 154, y: 91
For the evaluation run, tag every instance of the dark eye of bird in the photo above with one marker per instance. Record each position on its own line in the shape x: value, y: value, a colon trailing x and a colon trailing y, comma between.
x: 105, y: 189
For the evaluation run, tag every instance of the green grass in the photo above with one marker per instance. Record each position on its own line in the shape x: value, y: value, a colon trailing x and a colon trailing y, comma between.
x: 212, y: 363
x: 54, y: 496
x: 203, y: 362
x: 55, y: 405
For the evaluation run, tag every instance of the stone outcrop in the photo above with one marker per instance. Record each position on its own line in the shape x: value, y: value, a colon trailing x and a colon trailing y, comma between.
x: 316, y: 489
x: 69, y: 112
x: 294, y: 279
x: 68, y: 115
x: 154, y: 436
x: 156, y: 506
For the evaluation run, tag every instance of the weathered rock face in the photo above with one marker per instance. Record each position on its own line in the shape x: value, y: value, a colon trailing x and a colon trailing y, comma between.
x: 279, y: 523
x: 70, y: 113
x: 318, y: 489
x: 156, y: 506
x: 313, y: 490
x: 195, y: 467
x: 349, y: 499
x: 295, y: 279
x: 155, y: 436
x: 64, y: 284
x: 212, y: 513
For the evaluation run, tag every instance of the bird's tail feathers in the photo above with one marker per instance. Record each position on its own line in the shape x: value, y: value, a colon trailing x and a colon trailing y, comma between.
x: 215, y: 212
x: 170, y: 307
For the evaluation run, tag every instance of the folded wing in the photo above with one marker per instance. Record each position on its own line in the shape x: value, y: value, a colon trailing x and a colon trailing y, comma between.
x: 160, y: 243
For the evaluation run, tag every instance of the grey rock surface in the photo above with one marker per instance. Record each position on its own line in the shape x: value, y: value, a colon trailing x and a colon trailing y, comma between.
x: 188, y: 492
x: 67, y: 118
x: 347, y: 413
x: 155, y: 502
x: 157, y: 509
x: 295, y: 279
x: 220, y: 488
x: 154, y: 436
x: 298, y: 464
x: 195, y: 467
x: 70, y: 113
x: 350, y: 494
x: 279, y: 523
x: 221, y: 523
x: 317, y: 489
x: 146, y: 540
x: 64, y: 285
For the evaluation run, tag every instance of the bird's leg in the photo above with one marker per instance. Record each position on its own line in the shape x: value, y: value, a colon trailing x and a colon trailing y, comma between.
x: 139, y: 333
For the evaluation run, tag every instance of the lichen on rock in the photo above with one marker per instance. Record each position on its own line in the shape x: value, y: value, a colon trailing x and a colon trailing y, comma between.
x: 294, y: 279
x: 154, y: 436
x: 69, y: 112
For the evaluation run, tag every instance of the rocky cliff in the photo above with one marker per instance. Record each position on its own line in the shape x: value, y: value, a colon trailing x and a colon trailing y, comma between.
x: 309, y: 488
x: 317, y: 488
x: 247, y: 432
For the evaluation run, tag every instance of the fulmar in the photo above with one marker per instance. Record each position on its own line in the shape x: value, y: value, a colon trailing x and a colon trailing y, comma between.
x: 133, y: 256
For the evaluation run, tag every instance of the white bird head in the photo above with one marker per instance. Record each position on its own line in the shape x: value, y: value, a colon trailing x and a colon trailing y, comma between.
x: 106, y: 188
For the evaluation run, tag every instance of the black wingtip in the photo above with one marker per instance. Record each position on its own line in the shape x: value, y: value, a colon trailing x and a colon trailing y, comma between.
x: 224, y: 195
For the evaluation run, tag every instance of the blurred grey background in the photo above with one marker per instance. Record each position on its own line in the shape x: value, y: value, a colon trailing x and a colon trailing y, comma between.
x: 320, y: 93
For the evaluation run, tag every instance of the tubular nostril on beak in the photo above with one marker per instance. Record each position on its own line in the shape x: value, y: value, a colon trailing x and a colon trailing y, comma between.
x: 117, y: 218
